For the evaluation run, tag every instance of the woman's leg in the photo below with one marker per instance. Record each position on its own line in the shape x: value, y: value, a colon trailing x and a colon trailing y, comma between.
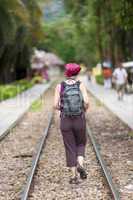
x: 70, y: 145
x: 71, y: 155
x: 80, y: 137
x: 70, y: 148
x: 73, y: 171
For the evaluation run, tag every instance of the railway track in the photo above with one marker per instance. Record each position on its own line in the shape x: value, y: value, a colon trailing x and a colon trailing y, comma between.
x: 17, y: 148
x: 36, y: 159
x: 48, y: 178
x: 112, y: 191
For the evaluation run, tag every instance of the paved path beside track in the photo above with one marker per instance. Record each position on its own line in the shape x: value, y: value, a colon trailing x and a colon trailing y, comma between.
x: 13, y: 109
x: 123, y: 109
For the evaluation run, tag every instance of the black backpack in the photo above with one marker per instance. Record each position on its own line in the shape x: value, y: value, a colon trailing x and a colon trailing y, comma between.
x: 71, y: 99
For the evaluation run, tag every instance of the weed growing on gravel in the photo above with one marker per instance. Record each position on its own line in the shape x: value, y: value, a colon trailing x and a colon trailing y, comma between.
x: 99, y: 103
x: 130, y: 134
x: 37, y: 105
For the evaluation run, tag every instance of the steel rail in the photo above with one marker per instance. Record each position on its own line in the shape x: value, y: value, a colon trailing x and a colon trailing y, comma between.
x: 35, y: 160
x: 112, y: 187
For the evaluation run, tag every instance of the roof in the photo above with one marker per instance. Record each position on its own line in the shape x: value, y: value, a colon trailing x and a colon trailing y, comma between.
x: 42, y: 58
x: 128, y: 64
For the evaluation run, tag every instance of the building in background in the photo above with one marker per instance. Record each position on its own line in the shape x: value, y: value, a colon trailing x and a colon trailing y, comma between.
x: 45, y: 64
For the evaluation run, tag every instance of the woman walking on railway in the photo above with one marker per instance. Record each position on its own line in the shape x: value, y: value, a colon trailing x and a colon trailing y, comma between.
x: 72, y: 101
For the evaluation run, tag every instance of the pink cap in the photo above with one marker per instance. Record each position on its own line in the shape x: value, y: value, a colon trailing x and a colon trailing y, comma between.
x: 72, y: 69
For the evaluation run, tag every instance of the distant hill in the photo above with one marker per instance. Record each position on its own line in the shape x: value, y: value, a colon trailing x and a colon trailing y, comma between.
x: 53, y: 10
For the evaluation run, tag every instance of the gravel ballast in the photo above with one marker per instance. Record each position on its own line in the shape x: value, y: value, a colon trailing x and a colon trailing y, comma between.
x: 51, y: 180
x: 112, y: 135
x: 18, y: 147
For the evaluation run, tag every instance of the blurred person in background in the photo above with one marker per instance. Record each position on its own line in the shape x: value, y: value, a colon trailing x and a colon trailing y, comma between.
x: 107, y: 74
x: 120, y: 77
x: 71, y: 100
x: 89, y: 74
x: 45, y: 74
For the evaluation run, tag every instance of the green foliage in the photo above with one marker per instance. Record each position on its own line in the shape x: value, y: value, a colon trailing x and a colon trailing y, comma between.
x: 90, y: 32
x: 20, y: 30
x: 23, y: 84
x: 7, y: 92
x: 63, y: 38
x: 11, y: 14
x: 99, y: 79
x: 104, y: 29
x: 37, y: 105
x: 11, y: 90
x: 37, y: 79
x: 59, y: 38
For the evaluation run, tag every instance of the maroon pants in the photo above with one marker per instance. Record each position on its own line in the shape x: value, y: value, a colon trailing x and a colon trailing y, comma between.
x: 74, y: 136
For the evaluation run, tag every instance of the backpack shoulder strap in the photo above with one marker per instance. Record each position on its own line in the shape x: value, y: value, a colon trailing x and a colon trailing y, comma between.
x: 78, y: 83
x: 62, y: 87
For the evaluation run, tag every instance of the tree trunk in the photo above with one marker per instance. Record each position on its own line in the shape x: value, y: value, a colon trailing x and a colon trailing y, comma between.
x: 98, y: 34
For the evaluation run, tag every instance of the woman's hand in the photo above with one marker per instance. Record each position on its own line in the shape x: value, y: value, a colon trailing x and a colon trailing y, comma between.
x: 57, y: 98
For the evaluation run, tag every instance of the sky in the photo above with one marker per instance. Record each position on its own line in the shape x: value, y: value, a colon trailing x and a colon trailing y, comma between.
x: 53, y: 10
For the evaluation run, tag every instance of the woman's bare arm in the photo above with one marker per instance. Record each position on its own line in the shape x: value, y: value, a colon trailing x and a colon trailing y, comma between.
x: 85, y: 96
x: 57, y: 97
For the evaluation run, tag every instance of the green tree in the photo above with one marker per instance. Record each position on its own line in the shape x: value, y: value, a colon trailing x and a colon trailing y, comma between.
x: 109, y: 23
x: 20, y: 30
